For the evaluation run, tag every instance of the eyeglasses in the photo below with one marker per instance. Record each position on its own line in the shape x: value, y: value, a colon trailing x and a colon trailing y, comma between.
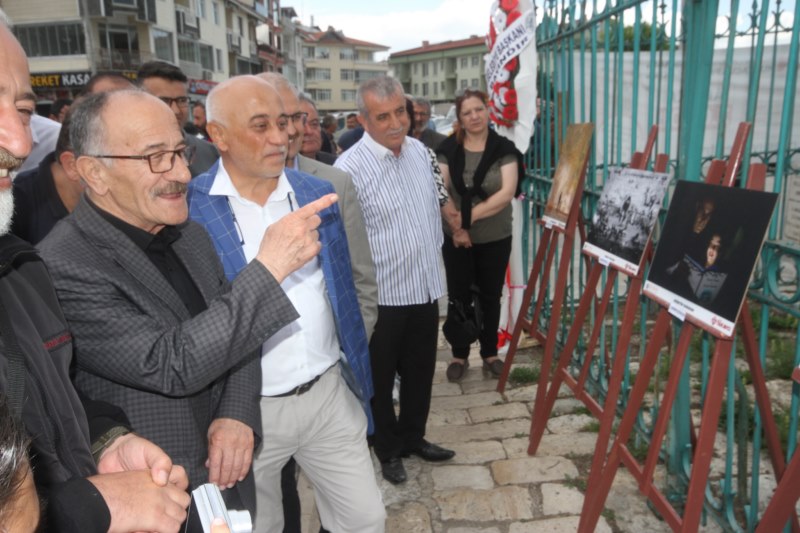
x: 299, y: 118
x: 182, y: 101
x: 160, y: 162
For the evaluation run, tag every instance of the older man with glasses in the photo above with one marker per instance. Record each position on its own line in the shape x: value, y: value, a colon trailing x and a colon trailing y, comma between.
x: 158, y: 329
x: 169, y: 84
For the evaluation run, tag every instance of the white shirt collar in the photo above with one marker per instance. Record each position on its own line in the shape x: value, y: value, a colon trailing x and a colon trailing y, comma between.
x: 378, y: 150
x: 223, y: 186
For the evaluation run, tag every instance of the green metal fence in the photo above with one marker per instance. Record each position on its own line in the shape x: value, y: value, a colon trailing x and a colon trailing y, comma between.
x: 696, y: 68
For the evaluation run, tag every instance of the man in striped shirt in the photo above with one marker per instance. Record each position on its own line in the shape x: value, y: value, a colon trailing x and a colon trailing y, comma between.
x: 395, y: 184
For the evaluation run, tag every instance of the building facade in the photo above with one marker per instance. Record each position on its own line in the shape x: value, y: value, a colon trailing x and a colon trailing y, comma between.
x: 335, y: 65
x: 67, y: 42
x: 440, y: 71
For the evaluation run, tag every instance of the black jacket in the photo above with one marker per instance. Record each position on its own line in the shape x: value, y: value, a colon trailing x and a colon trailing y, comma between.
x: 54, y: 414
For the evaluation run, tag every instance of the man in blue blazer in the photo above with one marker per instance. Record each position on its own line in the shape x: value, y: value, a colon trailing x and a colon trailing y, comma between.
x: 316, y: 379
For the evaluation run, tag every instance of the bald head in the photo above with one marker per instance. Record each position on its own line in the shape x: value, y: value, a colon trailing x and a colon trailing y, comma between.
x: 249, y: 125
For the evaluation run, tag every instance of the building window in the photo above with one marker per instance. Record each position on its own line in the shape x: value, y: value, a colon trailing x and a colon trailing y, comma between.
x: 320, y: 95
x: 435, y: 67
x: 219, y: 60
x: 318, y: 74
x: 347, y: 74
x: 464, y: 83
x: 162, y: 42
x: 188, y: 51
x: 416, y: 88
x: 474, y: 83
x: 52, y: 40
x: 425, y: 89
x: 364, y: 75
x: 215, y: 12
x: 348, y: 95
x: 435, y: 89
x: 464, y: 62
x: 201, y: 9
x: 207, y: 56
x: 125, y: 3
x: 241, y: 26
x: 442, y: 86
x: 424, y: 70
x: 441, y: 65
x: 415, y: 68
x: 322, y: 52
x: 347, y: 54
x: 308, y: 52
x: 476, y: 61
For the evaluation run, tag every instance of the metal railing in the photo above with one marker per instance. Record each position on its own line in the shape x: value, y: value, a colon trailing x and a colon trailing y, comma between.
x: 696, y: 69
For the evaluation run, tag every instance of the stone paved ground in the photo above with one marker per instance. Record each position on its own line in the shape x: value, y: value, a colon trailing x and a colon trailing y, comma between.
x: 493, y: 485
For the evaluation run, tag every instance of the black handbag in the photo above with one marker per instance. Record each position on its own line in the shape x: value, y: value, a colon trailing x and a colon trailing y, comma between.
x: 464, y: 320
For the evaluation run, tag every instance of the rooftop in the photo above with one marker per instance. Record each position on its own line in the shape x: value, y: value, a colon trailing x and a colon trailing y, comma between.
x: 472, y: 40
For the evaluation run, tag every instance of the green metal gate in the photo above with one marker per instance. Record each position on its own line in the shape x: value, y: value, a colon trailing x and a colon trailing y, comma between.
x: 696, y: 68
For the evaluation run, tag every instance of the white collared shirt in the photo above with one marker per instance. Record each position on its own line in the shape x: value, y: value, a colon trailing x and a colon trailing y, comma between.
x: 307, y: 347
x: 401, y: 212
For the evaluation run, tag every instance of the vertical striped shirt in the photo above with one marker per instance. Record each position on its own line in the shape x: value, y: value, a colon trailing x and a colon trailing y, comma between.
x: 401, y: 211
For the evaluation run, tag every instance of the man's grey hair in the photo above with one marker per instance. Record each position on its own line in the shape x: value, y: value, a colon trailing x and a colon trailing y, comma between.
x: 4, y: 20
x: 382, y: 88
x: 213, y: 110
x: 424, y: 102
x: 279, y: 82
x: 304, y: 97
x: 86, y: 128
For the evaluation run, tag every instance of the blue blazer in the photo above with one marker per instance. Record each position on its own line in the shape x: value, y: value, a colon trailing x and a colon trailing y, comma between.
x: 214, y: 213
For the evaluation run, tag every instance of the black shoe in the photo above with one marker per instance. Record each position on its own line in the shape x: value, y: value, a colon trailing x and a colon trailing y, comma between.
x: 430, y: 452
x: 393, y: 471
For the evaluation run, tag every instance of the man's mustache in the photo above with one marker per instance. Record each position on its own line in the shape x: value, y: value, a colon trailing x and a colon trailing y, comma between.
x: 171, y: 188
x: 9, y: 161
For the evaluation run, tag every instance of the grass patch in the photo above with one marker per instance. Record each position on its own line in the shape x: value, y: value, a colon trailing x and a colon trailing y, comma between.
x: 592, y: 427
x: 524, y: 375
x: 576, y: 482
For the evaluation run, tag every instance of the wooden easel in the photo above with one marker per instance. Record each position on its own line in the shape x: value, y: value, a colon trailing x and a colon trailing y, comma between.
x: 782, y: 504
x: 542, y: 410
x: 601, y: 479
x: 575, y: 152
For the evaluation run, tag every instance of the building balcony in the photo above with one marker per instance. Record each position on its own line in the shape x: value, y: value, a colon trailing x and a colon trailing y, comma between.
x: 234, y: 42
x: 191, y: 69
x: 121, y: 59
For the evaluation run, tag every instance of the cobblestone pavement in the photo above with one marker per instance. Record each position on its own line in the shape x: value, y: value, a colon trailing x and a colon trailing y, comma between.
x: 492, y: 485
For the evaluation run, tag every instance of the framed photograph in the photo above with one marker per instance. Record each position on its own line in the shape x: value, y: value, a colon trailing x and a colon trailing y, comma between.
x: 567, y: 180
x: 708, y: 249
x: 625, y: 216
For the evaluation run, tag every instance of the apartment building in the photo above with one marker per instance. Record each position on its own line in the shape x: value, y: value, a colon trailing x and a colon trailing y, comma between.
x: 67, y: 42
x: 439, y: 71
x: 334, y: 65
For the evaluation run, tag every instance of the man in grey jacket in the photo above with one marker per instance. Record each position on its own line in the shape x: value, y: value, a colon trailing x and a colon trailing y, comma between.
x: 158, y: 329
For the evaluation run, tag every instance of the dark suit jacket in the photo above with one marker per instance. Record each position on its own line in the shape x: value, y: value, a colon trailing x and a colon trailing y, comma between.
x: 204, y: 156
x: 214, y: 213
x: 357, y: 241
x: 137, y: 347
x: 324, y: 157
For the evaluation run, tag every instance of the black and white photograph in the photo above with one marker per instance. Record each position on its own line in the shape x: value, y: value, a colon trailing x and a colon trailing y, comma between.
x: 625, y: 216
x: 707, y: 252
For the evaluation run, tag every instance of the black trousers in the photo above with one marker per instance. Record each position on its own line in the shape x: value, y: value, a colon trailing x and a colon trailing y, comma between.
x: 485, y: 266
x: 404, y: 341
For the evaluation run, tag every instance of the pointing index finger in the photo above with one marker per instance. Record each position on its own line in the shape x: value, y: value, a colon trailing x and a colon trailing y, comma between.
x: 312, y: 208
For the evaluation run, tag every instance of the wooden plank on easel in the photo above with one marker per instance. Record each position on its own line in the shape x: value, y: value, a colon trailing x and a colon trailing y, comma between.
x: 568, y: 180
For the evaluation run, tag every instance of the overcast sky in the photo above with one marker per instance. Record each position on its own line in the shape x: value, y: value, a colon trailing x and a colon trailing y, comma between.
x: 404, y: 24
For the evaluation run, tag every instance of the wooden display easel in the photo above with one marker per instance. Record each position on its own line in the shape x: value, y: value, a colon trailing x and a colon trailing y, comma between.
x: 543, y: 409
x: 782, y: 504
x: 575, y: 152
x: 601, y: 479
